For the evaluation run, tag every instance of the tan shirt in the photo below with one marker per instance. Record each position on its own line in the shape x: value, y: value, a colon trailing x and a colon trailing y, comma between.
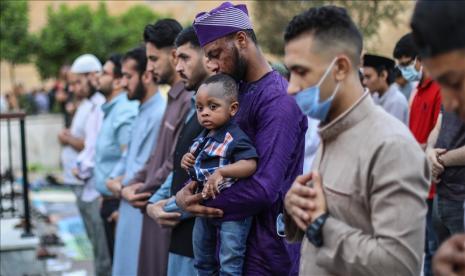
x: 160, y: 163
x: 376, y: 180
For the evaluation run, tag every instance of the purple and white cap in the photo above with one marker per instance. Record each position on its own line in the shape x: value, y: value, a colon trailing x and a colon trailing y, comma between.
x: 221, y: 21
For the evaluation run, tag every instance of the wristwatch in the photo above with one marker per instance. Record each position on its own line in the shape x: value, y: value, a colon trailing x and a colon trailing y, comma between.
x: 314, y: 230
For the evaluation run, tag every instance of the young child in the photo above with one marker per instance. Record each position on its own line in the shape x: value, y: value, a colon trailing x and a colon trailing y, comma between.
x: 221, y: 154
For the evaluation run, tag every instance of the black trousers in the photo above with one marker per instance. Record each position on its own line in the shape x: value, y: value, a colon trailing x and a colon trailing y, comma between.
x: 109, y: 205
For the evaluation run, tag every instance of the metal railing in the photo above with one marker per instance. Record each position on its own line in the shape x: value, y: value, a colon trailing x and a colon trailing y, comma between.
x: 8, y: 176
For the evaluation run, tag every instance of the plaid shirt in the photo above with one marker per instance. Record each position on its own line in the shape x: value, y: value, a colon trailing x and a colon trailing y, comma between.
x: 227, y: 145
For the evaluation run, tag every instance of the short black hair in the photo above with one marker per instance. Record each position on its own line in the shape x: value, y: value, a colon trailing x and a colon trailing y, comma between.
x: 405, y: 47
x: 396, y: 73
x: 137, y: 54
x: 438, y: 27
x: 332, y: 26
x: 116, y: 60
x: 187, y: 35
x: 230, y: 88
x: 163, y: 33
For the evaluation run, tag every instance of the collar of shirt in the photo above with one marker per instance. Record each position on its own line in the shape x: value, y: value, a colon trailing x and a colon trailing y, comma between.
x: 424, y: 83
x: 192, y: 110
x: 176, y: 90
x: 219, y: 134
x: 348, y: 119
x: 249, y: 87
x: 107, y: 107
x: 97, y: 99
x: 153, y: 101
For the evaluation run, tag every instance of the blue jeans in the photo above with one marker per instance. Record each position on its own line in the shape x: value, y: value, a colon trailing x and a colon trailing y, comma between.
x: 450, y: 215
x: 180, y: 265
x: 233, y: 239
x: 431, y: 243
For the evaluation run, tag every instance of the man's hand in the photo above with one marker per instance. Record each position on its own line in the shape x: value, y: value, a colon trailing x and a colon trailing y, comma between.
x: 318, y: 204
x: 75, y: 172
x: 63, y: 136
x: 190, y: 202
x: 115, y: 186
x: 211, y: 187
x: 436, y: 167
x: 303, y: 203
x: 450, y: 258
x: 113, y: 217
x: 136, y: 200
x: 187, y: 161
x: 156, y: 212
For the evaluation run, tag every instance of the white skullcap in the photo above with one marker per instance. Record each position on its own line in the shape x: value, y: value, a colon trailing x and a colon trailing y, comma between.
x: 86, y: 63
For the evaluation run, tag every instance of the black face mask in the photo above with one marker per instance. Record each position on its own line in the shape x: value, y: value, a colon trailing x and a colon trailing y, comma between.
x: 240, y: 66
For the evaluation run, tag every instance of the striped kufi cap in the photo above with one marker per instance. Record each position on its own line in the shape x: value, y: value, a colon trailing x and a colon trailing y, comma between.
x: 221, y: 21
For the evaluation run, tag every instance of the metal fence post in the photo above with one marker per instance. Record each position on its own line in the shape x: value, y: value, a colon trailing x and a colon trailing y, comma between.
x: 27, y: 215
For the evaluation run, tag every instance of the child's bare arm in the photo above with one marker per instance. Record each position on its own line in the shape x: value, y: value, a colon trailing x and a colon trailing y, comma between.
x: 239, y: 169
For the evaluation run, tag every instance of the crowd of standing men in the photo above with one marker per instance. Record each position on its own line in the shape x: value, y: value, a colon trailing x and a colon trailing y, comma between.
x: 381, y: 143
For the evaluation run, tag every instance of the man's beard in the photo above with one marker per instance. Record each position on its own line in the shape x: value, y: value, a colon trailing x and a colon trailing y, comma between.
x: 92, y: 89
x: 140, y: 92
x: 240, y: 66
x: 106, y: 90
x: 197, y: 77
x: 166, y: 77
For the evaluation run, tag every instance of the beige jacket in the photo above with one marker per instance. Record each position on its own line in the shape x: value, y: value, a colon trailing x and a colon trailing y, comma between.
x: 376, y: 180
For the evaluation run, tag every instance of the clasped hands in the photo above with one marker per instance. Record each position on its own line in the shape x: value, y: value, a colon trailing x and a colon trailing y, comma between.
x: 305, y: 201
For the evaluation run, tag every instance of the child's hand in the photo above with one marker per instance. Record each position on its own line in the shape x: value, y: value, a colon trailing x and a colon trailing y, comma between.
x: 188, y: 161
x: 211, y: 187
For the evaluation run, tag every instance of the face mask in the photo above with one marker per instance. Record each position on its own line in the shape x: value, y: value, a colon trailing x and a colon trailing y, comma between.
x: 309, y: 99
x: 410, y: 73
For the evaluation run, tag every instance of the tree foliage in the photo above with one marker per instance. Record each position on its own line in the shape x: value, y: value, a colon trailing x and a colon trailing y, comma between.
x: 272, y: 17
x: 14, y: 36
x: 16, y: 45
x: 133, y: 22
x: 70, y: 32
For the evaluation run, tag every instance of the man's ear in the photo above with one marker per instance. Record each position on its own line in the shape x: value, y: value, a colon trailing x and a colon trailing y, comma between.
x: 117, y: 83
x: 233, y: 108
x: 343, y: 67
x: 146, y: 77
x: 418, y: 65
x: 240, y: 39
x: 384, y: 75
x: 173, y: 56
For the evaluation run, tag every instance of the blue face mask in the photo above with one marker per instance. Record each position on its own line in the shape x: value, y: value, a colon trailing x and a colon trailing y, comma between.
x: 410, y: 73
x: 309, y: 99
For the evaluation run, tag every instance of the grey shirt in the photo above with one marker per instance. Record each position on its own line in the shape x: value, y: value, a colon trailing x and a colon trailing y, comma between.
x: 394, y: 103
x: 375, y: 179
x: 451, y: 136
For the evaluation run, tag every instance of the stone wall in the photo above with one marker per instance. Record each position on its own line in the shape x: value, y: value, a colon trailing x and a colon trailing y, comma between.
x: 42, y: 144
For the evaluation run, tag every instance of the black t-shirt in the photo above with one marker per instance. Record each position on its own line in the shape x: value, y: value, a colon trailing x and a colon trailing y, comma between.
x: 181, y: 236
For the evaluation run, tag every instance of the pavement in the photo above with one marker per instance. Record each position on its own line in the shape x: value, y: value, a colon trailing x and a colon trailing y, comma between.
x: 53, y: 211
